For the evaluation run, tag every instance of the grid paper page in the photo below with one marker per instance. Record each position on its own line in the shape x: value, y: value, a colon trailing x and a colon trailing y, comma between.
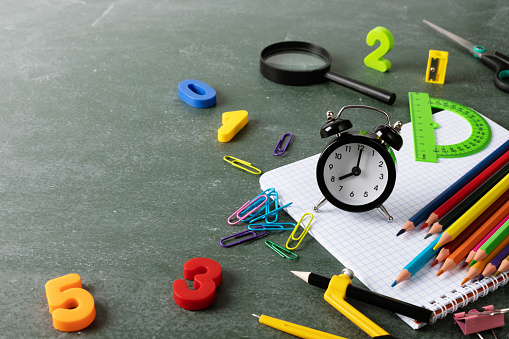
x: 366, y: 242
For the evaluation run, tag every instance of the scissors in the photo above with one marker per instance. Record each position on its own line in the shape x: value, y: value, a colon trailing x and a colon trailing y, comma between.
x: 494, y: 60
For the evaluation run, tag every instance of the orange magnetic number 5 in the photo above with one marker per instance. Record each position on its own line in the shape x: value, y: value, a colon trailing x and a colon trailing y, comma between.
x: 207, y: 275
x: 71, y: 307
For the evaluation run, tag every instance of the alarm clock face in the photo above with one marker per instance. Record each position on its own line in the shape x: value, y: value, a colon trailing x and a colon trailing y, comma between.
x: 356, y: 172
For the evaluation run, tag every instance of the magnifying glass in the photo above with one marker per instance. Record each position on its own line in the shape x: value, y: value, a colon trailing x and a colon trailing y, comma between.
x: 299, y: 63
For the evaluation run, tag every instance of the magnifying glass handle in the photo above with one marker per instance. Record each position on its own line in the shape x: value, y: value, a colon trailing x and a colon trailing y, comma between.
x: 374, y: 92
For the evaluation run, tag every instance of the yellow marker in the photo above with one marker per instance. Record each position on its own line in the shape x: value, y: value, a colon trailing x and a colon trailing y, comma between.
x: 437, y: 64
x: 335, y: 295
x: 294, y: 329
x: 233, y: 122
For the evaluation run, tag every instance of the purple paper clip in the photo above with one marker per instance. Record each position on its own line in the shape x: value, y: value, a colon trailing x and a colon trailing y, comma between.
x: 474, y: 321
x: 242, y: 234
x: 279, y: 150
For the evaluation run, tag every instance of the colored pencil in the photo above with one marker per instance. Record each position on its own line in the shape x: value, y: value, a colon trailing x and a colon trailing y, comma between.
x: 490, y: 244
x: 449, y: 248
x: 468, y: 202
x: 494, y: 215
x: 421, y: 215
x: 467, y: 189
x: 495, y: 263
x: 417, y: 263
x: 476, y: 269
x: 473, y: 252
x: 476, y: 210
x: 504, y: 266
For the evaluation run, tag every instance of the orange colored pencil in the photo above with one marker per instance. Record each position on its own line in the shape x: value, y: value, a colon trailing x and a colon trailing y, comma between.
x: 476, y: 269
x: 495, y: 217
x: 473, y: 253
x: 467, y: 189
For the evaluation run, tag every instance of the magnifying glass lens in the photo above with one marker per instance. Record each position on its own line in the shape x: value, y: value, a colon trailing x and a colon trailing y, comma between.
x: 294, y: 60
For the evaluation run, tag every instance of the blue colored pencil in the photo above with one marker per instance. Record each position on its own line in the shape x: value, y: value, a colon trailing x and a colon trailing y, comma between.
x: 417, y: 263
x: 423, y: 214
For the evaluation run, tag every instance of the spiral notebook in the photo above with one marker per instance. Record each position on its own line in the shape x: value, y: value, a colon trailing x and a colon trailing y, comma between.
x: 367, y: 243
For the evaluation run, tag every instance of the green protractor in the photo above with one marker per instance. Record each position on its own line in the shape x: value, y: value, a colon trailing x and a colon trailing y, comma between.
x: 424, y: 135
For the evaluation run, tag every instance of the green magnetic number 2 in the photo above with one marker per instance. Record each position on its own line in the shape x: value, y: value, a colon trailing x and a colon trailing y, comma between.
x: 375, y: 59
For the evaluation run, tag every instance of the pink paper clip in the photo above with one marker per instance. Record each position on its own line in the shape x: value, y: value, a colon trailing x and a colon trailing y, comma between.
x: 474, y: 321
x: 248, y: 209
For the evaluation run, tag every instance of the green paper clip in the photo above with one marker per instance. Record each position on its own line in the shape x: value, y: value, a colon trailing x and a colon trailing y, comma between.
x: 281, y: 250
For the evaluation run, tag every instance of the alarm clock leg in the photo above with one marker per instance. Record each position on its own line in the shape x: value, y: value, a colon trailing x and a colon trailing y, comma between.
x: 384, y: 211
x: 320, y: 204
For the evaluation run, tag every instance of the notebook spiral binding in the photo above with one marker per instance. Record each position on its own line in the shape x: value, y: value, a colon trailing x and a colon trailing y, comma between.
x: 450, y: 302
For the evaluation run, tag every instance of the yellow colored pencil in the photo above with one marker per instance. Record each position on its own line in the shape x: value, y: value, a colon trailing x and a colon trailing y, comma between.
x: 476, y: 210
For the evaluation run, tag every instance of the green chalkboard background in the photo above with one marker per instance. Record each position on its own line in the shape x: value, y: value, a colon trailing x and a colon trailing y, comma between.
x: 105, y: 172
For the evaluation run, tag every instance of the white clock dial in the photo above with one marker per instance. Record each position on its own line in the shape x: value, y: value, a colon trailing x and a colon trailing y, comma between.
x: 356, y: 174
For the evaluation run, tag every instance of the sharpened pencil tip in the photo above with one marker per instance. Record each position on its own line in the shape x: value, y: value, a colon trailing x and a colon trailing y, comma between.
x: 464, y: 281
x: 427, y: 235
x: 497, y: 273
x: 400, y: 232
x: 394, y: 283
x: 303, y: 275
x: 472, y: 263
x: 424, y: 226
x: 434, y: 263
x: 437, y: 246
x: 440, y: 273
x: 255, y: 315
x: 463, y: 265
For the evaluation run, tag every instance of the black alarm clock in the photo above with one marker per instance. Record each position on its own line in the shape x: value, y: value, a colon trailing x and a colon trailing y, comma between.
x: 356, y: 171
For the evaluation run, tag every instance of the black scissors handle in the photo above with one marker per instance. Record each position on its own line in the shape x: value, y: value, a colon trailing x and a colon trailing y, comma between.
x: 500, y: 64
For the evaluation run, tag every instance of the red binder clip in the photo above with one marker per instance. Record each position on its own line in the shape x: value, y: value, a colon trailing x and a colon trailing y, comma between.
x: 474, y: 321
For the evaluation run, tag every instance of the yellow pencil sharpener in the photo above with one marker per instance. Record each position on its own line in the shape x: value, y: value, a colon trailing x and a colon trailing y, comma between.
x: 437, y: 64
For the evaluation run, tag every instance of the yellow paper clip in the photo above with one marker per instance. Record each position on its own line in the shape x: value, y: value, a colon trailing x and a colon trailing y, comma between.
x: 302, y: 235
x: 246, y: 165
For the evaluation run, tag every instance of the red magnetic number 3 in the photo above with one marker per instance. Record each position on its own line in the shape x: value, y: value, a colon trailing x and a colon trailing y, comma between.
x: 207, y: 275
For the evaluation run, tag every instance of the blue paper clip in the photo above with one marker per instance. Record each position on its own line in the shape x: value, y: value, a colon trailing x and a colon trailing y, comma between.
x: 272, y: 226
x: 281, y: 250
x: 242, y: 235
x: 253, y: 207
x: 279, y: 150
x: 270, y: 213
x: 275, y: 200
x: 302, y: 235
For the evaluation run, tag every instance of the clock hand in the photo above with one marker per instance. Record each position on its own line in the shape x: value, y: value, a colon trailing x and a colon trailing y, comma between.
x: 359, y: 159
x: 355, y: 171
x: 346, y: 176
